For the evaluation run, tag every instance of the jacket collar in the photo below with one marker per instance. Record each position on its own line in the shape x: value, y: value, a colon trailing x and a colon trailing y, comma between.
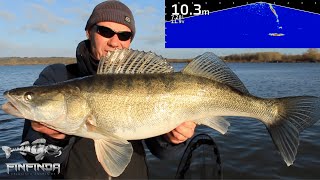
x: 87, y: 64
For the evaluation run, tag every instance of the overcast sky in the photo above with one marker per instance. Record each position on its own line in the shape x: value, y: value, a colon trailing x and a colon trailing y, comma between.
x: 45, y: 28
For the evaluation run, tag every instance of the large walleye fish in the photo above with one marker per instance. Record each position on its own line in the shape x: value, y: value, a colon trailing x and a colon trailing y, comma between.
x: 136, y: 95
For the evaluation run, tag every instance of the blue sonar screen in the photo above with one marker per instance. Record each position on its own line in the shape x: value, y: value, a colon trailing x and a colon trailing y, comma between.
x: 201, y: 24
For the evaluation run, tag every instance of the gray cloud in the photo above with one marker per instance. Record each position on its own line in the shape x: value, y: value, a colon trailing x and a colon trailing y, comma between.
x: 5, y: 44
x: 145, y: 11
x: 156, y: 36
x: 81, y: 13
x: 39, y: 9
x: 152, y: 39
x: 7, y: 15
x: 50, y: 1
x: 9, y: 49
x: 47, y: 15
x: 43, y: 20
x: 40, y: 27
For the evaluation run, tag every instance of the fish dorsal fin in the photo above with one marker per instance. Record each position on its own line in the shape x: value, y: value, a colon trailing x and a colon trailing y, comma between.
x: 25, y: 143
x: 210, y: 66
x: 39, y: 141
x: 128, y: 61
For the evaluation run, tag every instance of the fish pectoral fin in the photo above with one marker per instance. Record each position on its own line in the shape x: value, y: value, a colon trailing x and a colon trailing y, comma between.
x: 39, y: 141
x: 113, y: 155
x: 23, y: 153
x: 113, y: 152
x: 39, y: 156
x: 91, y: 120
x: 218, y: 123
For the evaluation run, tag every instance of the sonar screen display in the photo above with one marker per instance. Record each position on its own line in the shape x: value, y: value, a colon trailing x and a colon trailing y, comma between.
x: 242, y: 24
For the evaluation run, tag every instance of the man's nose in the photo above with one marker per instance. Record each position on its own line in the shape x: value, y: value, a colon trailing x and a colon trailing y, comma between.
x: 114, y: 41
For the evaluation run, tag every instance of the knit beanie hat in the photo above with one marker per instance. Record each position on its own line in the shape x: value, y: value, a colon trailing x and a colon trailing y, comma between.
x: 113, y: 11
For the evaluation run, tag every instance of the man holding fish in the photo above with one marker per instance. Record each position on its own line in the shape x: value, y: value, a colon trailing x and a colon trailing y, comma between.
x: 111, y: 26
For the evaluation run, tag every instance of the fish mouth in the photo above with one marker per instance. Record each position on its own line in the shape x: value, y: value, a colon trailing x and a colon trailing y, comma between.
x: 9, y: 108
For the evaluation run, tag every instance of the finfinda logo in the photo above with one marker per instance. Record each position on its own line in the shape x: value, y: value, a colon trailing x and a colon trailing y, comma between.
x: 39, y: 149
x: 32, y: 167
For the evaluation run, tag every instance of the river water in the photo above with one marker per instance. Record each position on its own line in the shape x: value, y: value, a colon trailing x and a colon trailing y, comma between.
x: 246, y: 150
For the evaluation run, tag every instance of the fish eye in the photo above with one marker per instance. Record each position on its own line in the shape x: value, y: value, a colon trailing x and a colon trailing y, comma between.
x: 28, y: 96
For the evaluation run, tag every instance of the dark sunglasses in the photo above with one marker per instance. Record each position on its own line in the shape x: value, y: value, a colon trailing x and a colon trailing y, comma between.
x: 109, y: 33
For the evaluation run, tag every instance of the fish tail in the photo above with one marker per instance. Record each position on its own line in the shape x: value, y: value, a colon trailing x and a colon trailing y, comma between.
x: 294, y: 114
x: 7, y: 151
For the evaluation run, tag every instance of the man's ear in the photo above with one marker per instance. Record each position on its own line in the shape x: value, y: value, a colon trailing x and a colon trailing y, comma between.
x: 88, y: 34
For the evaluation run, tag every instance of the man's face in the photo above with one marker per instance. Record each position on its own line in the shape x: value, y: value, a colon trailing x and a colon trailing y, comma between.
x: 101, y: 45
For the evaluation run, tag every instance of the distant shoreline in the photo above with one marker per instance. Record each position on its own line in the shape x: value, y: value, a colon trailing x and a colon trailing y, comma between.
x: 17, y: 61
x: 311, y: 56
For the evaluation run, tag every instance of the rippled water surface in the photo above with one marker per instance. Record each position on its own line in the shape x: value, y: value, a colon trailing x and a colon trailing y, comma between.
x: 246, y: 150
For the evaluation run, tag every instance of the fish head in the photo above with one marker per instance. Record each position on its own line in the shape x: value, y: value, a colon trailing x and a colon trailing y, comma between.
x: 35, y: 103
x: 54, y: 106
